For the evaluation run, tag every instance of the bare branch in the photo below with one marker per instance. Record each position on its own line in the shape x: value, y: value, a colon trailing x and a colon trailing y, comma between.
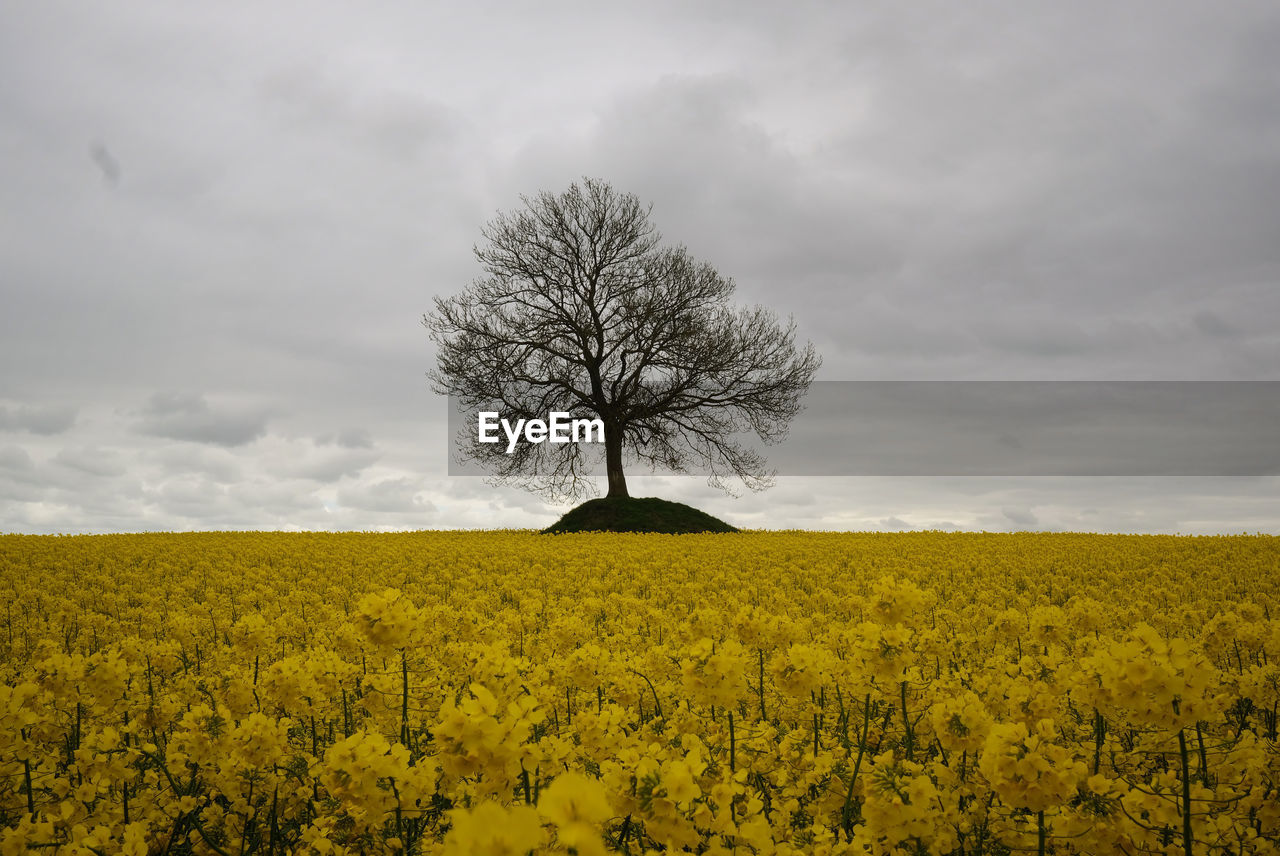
x: 580, y: 310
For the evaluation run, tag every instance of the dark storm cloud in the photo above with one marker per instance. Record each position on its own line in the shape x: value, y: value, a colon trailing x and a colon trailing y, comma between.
x: 188, y: 416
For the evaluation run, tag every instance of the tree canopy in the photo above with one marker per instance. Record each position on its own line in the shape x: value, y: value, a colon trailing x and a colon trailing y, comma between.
x: 582, y: 310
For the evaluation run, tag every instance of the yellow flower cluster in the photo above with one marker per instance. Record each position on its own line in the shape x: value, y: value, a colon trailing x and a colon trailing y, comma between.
x: 756, y: 693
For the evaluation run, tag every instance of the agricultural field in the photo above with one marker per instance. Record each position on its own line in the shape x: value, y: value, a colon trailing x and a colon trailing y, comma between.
x: 508, y: 693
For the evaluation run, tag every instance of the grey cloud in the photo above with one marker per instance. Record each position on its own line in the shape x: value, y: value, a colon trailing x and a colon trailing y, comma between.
x: 1021, y: 516
x: 401, y: 495
x: 350, y: 438
x: 516, y: 500
x: 1186, y: 505
x: 106, y: 162
x: 120, y: 501
x: 1211, y: 324
x: 92, y: 461
x: 81, y: 478
x: 356, y: 438
x: 399, y: 123
x: 1041, y: 339
x: 725, y: 184
x: 326, y: 466
x: 18, y: 493
x: 186, y: 492
x: 16, y: 459
x: 481, y: 493
x: 216, y: 463
x: 1077, y: 191
x: 193, y: 501
x: 1009, y: 440
x: 188, y: 416
x: 46, y: 420
x: 274, y: 498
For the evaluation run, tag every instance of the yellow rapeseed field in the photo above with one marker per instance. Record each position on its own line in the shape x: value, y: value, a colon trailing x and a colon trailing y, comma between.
x: 508, y: 692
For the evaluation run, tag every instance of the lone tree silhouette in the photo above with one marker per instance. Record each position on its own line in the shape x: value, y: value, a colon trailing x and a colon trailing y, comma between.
x: 581, y: 311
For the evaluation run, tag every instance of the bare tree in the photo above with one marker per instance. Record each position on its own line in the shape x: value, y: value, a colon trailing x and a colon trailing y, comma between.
x: 581, y: 311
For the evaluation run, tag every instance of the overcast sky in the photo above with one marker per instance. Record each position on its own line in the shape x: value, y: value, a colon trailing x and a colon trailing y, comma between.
x: 223, y: 222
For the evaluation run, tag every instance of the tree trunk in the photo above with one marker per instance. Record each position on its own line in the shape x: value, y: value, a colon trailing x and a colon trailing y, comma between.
x: 613, y: 461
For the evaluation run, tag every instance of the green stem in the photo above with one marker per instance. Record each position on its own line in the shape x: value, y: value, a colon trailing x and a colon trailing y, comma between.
x: 31, y: 798
x: 271, y: 842
x: 404, y: 698
x: 846, y: 813
x: 1204, y: 761
x: 1099, y: 726
x: 399, y: 821
x: 732, y: 744
x: 248, y: 819
x: 1186, y: 794
x: 626, y: 833
x: 656, y: 704
x: 906, y: 723
x: 763, y: 715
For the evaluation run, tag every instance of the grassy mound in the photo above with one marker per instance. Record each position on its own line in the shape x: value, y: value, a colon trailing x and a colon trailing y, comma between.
x: 637, y: 514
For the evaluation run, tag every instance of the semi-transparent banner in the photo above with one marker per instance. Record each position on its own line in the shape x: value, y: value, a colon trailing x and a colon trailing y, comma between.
x: 974, y: 428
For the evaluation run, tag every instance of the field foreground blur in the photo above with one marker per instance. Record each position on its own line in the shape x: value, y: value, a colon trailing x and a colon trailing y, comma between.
x: 506, y: 692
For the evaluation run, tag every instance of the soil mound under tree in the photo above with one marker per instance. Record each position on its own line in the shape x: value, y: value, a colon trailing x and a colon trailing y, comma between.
x: 637, y: 514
